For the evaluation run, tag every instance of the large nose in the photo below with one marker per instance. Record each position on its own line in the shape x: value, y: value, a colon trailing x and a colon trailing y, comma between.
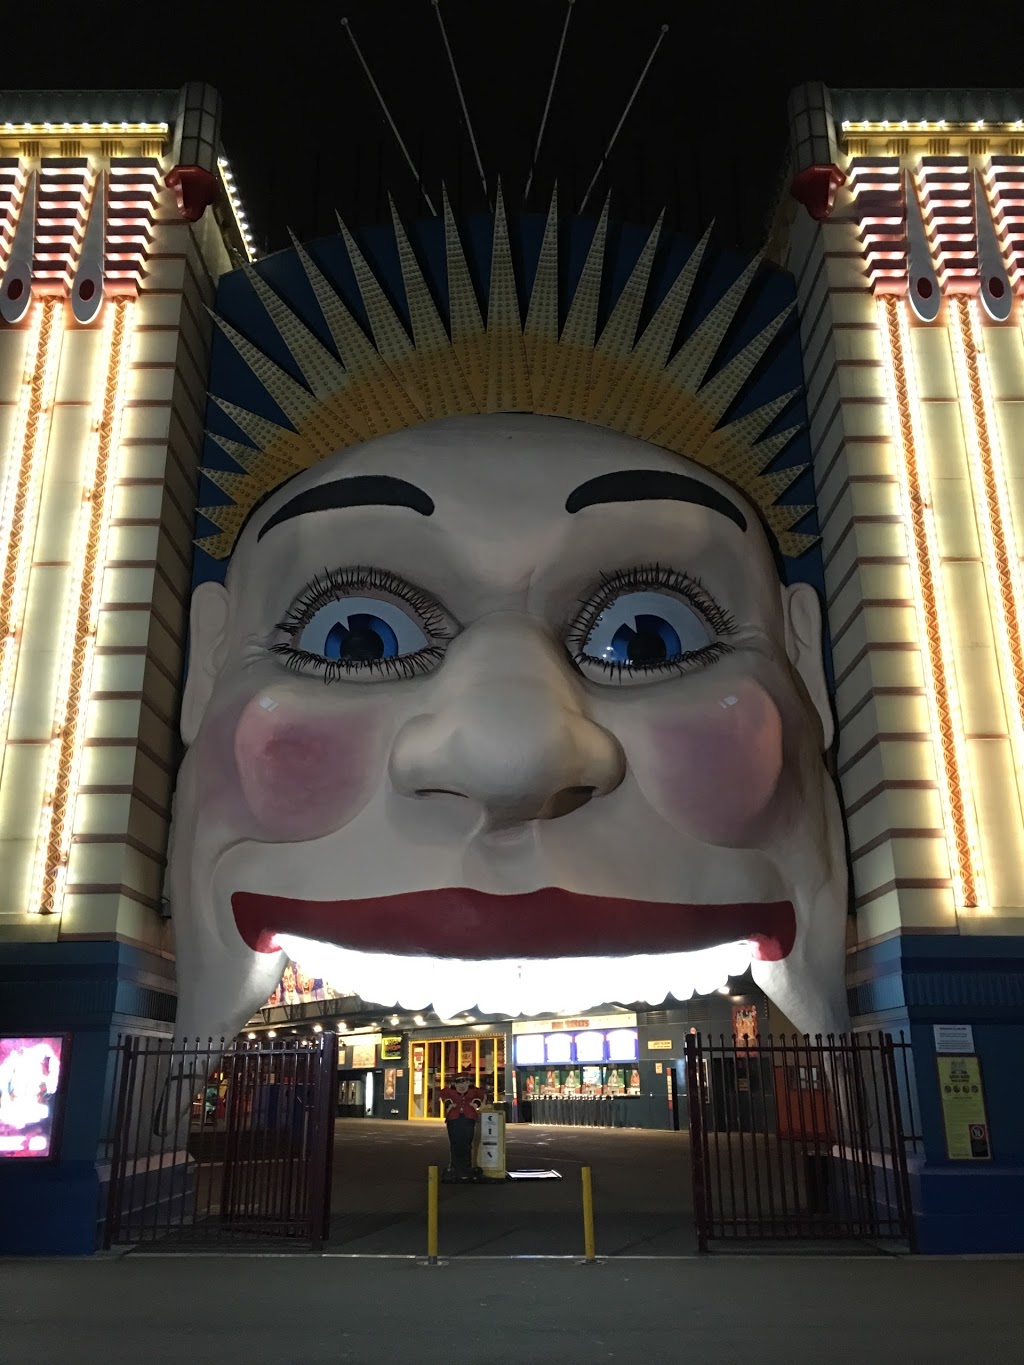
x: 508, y: 731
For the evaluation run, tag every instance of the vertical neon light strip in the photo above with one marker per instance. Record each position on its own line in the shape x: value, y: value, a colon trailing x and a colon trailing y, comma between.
x: 995, y: 521
x: 958, y: 816
x: 75, y: 678
x: 22, y: 486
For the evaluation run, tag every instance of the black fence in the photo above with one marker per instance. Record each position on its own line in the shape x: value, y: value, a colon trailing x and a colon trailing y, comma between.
x: 800, y: 1139
x: 223, y: 1144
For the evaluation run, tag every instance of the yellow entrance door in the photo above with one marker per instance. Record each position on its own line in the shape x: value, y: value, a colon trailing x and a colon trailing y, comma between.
x: 436, y: 1060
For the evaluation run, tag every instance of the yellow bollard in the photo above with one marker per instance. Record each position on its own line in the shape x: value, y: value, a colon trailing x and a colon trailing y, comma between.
x: 588, y: 1215
x: 432, y: 1215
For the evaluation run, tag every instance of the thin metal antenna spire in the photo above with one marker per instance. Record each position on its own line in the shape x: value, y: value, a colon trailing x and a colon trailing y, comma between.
x: 462, y: 99
x: 629, y: 104
x: 547, y: 102
x: 387, y: 114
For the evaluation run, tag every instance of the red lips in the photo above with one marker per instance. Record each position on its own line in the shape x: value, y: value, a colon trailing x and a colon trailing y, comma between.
x: 539, y: 924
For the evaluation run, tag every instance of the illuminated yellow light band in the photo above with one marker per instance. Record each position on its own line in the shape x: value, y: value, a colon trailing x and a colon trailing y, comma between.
x: 992, y: 504
x: 75, y: 680
x: 237, y: 208
x: 955, y: 796
x: 23, y: 483
x: 40, y: 129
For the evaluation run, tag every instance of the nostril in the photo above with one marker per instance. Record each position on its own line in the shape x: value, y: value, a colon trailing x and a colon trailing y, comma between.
x: 438, y: 791
x: 568, y: 800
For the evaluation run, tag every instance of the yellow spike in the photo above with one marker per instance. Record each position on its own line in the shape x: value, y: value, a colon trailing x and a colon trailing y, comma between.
x: 382, y: 397
x: 467, y: 328
x: 567, y: 381
x: 793, y: 544
x: 227, y: 517
x: 783, y: 517
x: 690, y: 363
x: 658, y: 336
x: 542, y: 316
x: 321, y: 371
x: 217, y: 547
x: 765, y: 451
x: 724, y: 387
x: 444, y: 389
x: 390, y: 336
x: 265, y: 434
x: 690, y: 425
x: 234, y: 485
x: 619, y: 332
x: 769, y: 487
x: 301, y: 407
x: 749, y: 427
x: 243, y: 455
x: 261, y: 466
x: 628, y: 403
x: 508, y: 379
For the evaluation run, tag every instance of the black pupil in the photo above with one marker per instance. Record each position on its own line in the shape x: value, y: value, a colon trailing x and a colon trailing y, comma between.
x: 362, y: 646
x: 647, y: 647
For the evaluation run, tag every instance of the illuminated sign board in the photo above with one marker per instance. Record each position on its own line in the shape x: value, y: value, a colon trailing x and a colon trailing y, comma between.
x: 31, y: 1093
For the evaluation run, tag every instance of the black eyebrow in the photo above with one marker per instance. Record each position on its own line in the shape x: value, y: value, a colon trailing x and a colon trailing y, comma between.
x: 361, y: 490
x: 650, y: 485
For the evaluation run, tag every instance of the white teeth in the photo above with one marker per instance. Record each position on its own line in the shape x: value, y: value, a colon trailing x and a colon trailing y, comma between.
x: 513, y: 987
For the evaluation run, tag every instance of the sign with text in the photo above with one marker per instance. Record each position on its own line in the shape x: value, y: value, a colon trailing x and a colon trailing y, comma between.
x: 963, y: 1109
x: 953, y: 1038
x: 593, y: 1021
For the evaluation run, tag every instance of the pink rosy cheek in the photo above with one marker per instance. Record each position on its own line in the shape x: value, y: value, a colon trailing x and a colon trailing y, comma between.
x: 717, y: 766
x: 303, y: 775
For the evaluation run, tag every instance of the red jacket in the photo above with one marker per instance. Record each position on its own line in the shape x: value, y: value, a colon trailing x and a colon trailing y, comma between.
x: 465, y: 1106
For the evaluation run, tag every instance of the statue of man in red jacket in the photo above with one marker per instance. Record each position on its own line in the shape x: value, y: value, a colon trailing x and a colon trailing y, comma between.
x: 462, y: 1100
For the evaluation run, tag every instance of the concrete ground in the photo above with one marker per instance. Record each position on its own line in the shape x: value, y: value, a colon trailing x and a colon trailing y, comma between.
x: 303, y: 1310
x: 641, y: 1179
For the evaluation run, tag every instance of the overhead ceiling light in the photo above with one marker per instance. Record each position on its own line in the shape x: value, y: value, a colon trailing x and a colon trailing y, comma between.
x: 393, y: 1019
x: 318, y: 1028
x: 251, y: 1035
x: 272, y: 1033
x: 417, y: 1019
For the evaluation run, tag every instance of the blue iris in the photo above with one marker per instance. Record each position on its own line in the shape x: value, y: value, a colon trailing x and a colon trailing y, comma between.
x: 648, y: 640
x: 362, y: 638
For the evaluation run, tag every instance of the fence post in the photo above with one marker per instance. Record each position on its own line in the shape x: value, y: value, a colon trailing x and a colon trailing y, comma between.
x: 899, y: 1155
x: 115, y: 1189
x: 432, y: 1215
x: 588, y: 1215
x: 695, y: 1107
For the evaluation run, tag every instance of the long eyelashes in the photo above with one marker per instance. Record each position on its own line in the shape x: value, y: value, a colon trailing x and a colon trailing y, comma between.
x: 640, y: 578
x: 335, y: 584
x: 405, y: 666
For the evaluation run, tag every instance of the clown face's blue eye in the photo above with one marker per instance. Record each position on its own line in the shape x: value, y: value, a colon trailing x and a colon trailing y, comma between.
x: 363, y: 623
x: 647, y: 621
x: 360, y: 630
x: 639, y: 629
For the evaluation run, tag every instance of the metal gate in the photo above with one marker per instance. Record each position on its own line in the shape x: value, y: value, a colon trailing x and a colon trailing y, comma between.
x: 222, y: 1145
x: 799, y: 1139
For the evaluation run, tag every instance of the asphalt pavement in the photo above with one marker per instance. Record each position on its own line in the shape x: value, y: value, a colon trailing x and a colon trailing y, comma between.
x: 146, y: 1309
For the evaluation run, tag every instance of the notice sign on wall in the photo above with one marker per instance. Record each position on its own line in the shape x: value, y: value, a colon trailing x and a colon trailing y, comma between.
x: 963, y: 1109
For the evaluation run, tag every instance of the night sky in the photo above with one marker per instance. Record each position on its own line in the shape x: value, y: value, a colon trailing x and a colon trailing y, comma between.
x: 705, y: 137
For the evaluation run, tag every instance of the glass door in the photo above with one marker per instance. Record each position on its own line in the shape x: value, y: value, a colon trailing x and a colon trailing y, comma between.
x: 435, y: 1061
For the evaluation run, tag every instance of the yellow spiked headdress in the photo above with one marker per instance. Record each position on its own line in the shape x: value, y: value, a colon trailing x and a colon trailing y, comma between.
x: 636, y: 384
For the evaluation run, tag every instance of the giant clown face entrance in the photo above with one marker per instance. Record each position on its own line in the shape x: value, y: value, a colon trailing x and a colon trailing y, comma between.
x: 501, y: 702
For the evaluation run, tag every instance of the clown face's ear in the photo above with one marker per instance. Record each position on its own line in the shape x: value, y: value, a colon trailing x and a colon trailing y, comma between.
x: 801, y: 609
x: 208, y: 621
